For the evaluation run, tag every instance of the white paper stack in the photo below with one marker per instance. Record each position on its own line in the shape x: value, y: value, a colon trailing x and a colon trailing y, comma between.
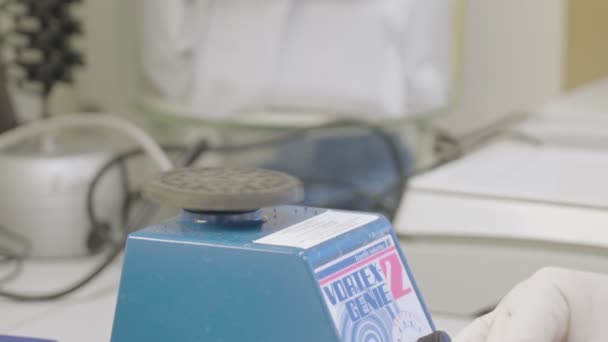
x: 554, y: 189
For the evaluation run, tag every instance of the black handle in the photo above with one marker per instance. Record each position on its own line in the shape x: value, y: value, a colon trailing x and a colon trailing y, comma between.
x: 437, y: 336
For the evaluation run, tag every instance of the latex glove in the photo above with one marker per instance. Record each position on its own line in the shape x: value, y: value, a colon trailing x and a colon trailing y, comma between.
x: 554, y: 305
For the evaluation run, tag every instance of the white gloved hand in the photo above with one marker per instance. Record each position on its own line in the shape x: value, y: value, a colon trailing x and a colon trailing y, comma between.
x: 554, y: 305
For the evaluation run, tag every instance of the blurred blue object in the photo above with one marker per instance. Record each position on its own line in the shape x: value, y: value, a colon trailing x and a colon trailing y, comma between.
x: 357, y: 171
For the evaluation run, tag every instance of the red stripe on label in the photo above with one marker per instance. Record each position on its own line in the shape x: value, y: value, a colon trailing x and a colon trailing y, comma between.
x: 355, y: 266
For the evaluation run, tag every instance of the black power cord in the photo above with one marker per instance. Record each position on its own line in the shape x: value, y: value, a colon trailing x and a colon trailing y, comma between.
x: 16, y: 265
x: 8, y: 118
x: 10, y: 256
x: 98, y: 236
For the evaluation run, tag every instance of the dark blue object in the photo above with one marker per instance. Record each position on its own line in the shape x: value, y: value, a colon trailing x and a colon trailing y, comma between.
x: 347, y: 171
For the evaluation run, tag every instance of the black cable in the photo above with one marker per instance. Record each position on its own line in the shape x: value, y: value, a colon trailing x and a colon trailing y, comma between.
x: 98, y: 237
x: 97, y: 226
x: 116, y: 247
x: 59, y: 294
x: 18, y: 238
x: 9, y: 256
x: 124, y: 177
x: 8, y: 117
x: 189, y: 157
x: 193, y: 153
x: 14, y: 272
x: 148, y: 208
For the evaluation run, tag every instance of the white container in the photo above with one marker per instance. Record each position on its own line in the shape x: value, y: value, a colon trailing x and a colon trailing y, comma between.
x: 43, y: 194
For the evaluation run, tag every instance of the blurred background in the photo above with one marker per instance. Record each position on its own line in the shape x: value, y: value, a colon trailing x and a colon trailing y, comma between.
x: 477, y: 126
x: 514, y: 56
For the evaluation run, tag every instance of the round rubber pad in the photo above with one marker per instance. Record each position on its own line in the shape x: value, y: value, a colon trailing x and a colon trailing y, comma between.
x: 223, y: 189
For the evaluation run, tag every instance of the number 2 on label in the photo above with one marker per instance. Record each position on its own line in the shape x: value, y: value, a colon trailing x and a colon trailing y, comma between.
x: 393, y: 271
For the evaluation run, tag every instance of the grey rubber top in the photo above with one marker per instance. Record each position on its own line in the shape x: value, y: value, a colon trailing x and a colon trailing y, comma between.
x: 223, y: 189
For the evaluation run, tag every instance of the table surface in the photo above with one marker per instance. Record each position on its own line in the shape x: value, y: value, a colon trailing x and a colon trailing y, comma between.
x: 87, y: 314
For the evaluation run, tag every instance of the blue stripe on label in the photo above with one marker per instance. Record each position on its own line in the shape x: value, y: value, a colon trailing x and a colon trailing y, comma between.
x: 21, y: 339
x: 375, y: 249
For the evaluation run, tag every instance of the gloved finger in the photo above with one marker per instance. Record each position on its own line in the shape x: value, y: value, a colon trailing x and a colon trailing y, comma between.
x: 534, y: 310
x: 476, y: 331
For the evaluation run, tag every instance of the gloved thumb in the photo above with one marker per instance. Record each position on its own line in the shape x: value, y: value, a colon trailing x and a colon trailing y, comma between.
x: 535, y: 310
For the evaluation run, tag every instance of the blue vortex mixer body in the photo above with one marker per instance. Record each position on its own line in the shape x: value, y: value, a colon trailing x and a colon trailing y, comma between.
x: 283, y: 273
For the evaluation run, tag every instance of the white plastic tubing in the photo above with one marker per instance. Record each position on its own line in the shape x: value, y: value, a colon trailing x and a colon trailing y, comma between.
x: 104, y: 121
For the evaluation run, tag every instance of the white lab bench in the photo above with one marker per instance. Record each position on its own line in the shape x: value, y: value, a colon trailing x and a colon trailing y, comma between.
x: 86, y: 315
x: 519, y: 203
